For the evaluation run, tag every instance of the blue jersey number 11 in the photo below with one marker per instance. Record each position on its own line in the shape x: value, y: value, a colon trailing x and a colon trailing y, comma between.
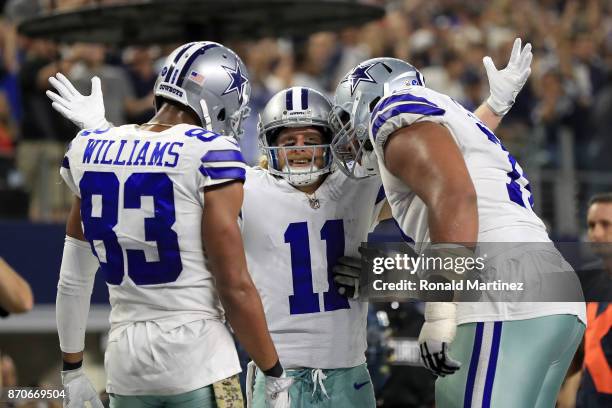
x: 304, y: 299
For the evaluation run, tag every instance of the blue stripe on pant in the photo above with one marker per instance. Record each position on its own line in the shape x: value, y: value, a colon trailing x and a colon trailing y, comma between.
x: 492, y: 341
x: 486, y: 400
x: 467, y: 400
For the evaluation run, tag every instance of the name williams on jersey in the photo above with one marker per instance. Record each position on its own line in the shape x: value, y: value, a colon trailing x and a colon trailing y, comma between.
x: 131, y: 153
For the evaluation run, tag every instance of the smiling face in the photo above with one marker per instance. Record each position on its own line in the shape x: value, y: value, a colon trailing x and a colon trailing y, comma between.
x: 298, y: 152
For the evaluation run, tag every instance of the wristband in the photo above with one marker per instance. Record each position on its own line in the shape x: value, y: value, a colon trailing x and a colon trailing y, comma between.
x: 275, y: 371
x: 71, y: 366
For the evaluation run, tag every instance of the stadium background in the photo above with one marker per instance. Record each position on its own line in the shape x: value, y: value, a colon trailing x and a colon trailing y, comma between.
x: 559, y: 129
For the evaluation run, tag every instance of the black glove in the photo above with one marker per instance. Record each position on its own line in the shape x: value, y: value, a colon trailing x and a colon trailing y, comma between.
x: 346, y: 276
x: 347, y: 271
x: 435, y: 357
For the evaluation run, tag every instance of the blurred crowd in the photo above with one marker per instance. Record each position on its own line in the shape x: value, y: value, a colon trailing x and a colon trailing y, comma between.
x: 570, y: 85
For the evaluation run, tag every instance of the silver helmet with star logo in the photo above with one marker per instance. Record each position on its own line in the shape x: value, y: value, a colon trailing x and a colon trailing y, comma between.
x: 356, y: 96
x: 296, y: 107
x: 211, y: 80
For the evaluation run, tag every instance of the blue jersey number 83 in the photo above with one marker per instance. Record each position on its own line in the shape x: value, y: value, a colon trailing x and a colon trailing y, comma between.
x: 105, y: 186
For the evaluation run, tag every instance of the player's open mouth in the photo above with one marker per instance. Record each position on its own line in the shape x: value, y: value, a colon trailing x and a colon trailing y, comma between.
x: 299, y: 162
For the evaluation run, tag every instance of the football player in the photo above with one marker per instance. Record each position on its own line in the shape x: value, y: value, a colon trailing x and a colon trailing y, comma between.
x: 298, y: 218
x: 156, y: 209
x: 448, y: 179
x: 320, y: 336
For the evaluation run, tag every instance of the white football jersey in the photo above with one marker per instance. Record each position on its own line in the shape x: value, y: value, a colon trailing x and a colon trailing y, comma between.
x: 504, y: 196
x: 141, y: 208
x: 291, y: 248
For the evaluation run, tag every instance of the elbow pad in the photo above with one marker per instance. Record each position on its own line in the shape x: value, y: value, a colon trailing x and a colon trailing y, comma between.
x: 77, y: 274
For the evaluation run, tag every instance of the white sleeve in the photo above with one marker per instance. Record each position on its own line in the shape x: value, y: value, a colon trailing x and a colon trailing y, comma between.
x: 222, y: 162
x: 77, y: 273
x: 400, y: 110
x: 67, y: 176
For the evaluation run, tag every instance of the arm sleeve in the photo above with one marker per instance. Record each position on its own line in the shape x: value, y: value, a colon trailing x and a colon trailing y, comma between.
x: 76, y: 280
x: 400, y: 110
x: 222, y: 162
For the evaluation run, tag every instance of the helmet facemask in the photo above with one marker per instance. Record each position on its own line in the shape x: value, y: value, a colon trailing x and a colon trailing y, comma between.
x: 304, y: 174
x: 351, y: 146
x: 315, y: 162
x: 296, y: 107
x: 236, y: 121
x: 214, y: 119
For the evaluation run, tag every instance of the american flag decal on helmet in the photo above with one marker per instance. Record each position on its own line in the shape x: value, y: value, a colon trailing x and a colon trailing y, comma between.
x: 196, y: 77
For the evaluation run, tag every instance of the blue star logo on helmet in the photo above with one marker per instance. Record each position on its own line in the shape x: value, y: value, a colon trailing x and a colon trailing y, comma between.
x: 360, y: 74
x: 238, y: 83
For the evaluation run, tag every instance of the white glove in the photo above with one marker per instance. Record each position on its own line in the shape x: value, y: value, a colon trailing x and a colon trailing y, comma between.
x: 78, y: 390
x: 437, y: 333
x: 277, y: 391
x: 508, y: 82
x: 87, y: 112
